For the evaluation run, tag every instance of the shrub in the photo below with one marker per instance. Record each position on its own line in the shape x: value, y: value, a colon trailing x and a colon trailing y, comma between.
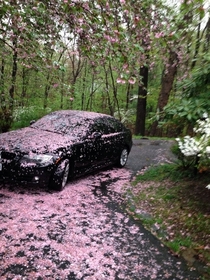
x: 195, y: 151
x: 23, y: 115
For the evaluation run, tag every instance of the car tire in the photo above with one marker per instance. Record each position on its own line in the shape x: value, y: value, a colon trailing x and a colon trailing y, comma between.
x: 123, y: 158
x: 60, y: 177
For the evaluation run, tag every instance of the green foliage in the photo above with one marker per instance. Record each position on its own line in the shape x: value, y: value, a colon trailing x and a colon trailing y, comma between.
x: 198, y: 84
x: 127, y: 117
x: 189, y: 109
x: 179, y: 242
x: 191, y: 101
x: 23, y: 116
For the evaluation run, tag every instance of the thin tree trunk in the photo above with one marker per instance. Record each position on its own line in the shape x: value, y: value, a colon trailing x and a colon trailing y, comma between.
x: 128, y: 97
x: 84, y: 87
x: 46, y: 91
x: 62, y: 89
x: 197, y: 46
x: 48, y: 82
x: 142, y: 102
x: 25, y: 81
x: 14, y: 75
x: 107, y: 93
x: 90, y: 99
x: 114, y: 92
x: 2, y: 98
x: 207, y: 37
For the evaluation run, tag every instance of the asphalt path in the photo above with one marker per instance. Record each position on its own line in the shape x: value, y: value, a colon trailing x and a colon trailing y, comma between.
x: 147, y: 152
x: 84, y: 231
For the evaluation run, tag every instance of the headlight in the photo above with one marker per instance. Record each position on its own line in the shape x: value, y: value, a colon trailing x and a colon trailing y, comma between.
x: 38, y: 159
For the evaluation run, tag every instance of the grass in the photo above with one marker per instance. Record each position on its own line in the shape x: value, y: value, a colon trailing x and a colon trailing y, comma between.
x: 175, y: 206
x: 178, y: 242
x: 151, y: 138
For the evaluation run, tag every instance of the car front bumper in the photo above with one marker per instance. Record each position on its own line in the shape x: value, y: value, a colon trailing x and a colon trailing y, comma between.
x: 29, y: 175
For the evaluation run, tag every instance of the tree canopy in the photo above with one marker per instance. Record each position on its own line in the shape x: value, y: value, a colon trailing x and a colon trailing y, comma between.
x: 121, y: 57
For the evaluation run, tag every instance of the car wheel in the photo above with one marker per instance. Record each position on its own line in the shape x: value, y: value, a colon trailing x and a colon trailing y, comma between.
x: 60, y: 177
x: 123, y: 157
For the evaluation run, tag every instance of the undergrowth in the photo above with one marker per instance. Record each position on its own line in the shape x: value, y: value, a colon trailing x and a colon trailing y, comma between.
x: 174, y: 205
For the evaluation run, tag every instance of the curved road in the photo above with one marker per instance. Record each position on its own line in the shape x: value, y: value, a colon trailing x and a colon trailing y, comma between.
x: 83, y: 232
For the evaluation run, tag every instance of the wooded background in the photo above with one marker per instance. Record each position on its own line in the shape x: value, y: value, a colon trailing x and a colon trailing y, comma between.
x: 145, y: 62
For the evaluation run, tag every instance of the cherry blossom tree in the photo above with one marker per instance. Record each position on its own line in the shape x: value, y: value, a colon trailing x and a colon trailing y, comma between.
x: 25, y: 26
x: 120, y: 41
x: 129, y: 34
x: 118, y: 32
x: 178, y: 49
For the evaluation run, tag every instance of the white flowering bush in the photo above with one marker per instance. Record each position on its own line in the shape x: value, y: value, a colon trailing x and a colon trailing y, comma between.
x: 195, y: 151
x: 189, y: 146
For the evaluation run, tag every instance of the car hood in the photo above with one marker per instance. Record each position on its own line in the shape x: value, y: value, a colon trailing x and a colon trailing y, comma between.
x: 28, y: 139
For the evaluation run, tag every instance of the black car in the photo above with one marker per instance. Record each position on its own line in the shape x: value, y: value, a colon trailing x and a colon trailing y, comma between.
x: 63, y: 144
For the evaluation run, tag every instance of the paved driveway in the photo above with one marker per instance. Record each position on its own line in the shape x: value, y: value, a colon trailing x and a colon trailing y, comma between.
x: 148, y: 152
x: 83, y: 231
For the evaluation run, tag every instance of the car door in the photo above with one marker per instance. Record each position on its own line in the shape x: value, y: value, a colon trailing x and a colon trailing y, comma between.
x: 113, y: 140
x: 88, y: 151
x: 107, y: 146
x: 96, y: 133
x: 84, y: 154
x: 82, y: 150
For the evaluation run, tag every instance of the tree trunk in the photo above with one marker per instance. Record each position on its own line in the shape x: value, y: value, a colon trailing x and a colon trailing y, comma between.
x: 168, y: 77
x: 107, y: 90
x: 207, y: 37
x: 46, y: 91
x: 14, y: 75
x: 167, y: 81
x: 142, y: 102
x: 114, y: 87
x: 2, y: 97
x: 5, y: 113
x: 197, y: 46
x: 84, y: 80
x: 25, y: 83
x: 128, y: 97
x: 62, y: 90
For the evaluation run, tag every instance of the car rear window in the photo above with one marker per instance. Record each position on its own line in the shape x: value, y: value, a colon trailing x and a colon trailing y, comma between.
x: 63, y: 124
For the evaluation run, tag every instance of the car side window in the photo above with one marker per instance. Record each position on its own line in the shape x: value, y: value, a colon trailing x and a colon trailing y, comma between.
x: 114, y: 125
x: 106, y: 126
x: 99, y: 126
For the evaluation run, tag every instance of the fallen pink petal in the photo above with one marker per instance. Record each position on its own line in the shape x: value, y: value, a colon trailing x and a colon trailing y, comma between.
x: 79, y: 233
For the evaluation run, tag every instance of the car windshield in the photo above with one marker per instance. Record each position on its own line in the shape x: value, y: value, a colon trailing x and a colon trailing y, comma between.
x: 64, y: 124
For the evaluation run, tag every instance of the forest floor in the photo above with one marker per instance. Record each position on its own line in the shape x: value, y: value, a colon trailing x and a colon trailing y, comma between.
x: 175, y: 208
x: 93, y: 228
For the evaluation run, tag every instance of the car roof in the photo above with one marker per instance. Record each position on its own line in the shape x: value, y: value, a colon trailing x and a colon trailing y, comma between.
x: 80, y: 114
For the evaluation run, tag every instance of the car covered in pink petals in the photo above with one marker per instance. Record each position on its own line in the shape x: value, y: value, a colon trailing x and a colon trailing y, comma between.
x: 62, y: 145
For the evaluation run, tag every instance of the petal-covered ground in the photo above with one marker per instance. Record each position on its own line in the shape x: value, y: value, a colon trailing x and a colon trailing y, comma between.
x: 79, y: 233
